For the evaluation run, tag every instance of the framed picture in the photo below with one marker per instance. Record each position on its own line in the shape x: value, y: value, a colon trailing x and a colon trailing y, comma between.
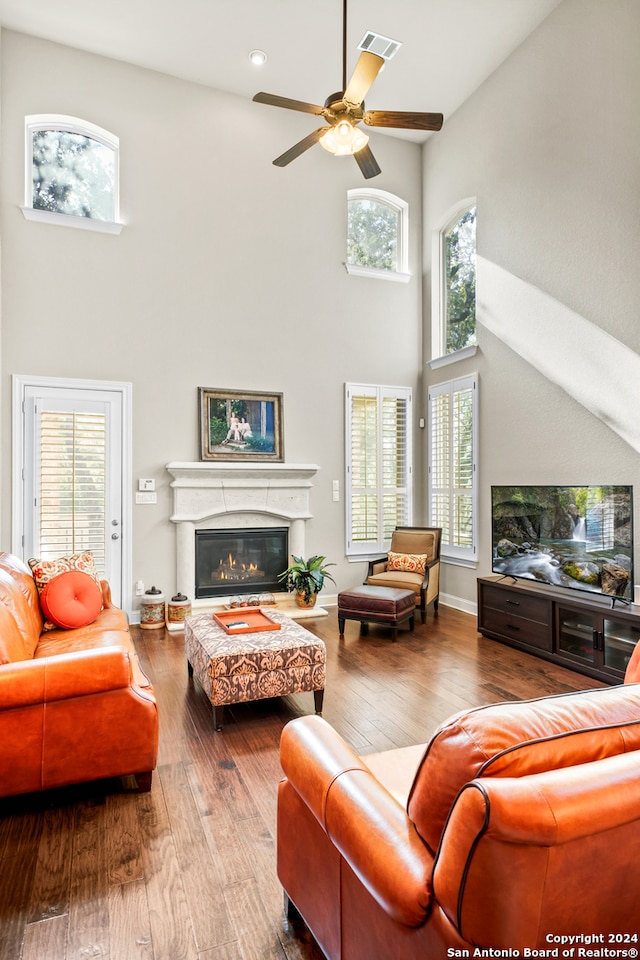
x: 236, y: 425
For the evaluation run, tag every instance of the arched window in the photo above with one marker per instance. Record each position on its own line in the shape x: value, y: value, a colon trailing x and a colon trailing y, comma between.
x: 454, y: 283
x: 71, y: 173
x: 377, y: 234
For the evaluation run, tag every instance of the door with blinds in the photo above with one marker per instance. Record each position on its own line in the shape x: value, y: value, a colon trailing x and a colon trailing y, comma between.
x: 72, y: 479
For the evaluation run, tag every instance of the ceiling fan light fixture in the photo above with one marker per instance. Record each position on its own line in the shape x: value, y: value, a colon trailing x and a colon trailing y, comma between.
x: 343, y: 139
x: 343, y: 111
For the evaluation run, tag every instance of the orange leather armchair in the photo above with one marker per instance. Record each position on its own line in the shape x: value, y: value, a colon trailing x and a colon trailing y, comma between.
x: 516, y: 822
x: 411, y: 542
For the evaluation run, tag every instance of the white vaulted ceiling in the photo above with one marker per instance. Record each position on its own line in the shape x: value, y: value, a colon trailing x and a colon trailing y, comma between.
x: 449, y: 46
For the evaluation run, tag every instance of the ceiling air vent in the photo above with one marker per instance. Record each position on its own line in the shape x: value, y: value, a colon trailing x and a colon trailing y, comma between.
x: 382, y: 46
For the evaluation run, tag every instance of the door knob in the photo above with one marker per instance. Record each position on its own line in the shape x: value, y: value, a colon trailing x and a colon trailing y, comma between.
x: 115, y: 536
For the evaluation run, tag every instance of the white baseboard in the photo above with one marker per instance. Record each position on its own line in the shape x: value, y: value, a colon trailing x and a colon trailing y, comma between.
x: 459, y: 603
x: 331, y: 600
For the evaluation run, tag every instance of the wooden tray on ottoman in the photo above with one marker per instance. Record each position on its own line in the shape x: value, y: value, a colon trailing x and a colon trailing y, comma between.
x: 245, y: 620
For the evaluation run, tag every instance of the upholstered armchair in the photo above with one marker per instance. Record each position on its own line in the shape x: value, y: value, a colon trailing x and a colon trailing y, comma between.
x: 413, y: 563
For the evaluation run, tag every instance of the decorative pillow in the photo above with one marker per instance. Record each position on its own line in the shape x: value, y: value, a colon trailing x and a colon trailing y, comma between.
x: 46, y: 570
x: 407, y: 562
x: 72, y: 599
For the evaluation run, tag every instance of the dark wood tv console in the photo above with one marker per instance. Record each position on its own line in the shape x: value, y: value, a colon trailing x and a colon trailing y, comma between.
x: 587, y: 634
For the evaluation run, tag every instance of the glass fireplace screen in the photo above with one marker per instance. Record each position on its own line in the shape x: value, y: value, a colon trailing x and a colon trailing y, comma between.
x: 240, y: 561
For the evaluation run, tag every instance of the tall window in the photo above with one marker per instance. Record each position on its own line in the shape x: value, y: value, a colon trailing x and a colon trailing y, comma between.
x: 377, y: 234
x: 71, y: 171
x: 379, y: 466
x: 454, y: 283
x: 460, y: 281
x: 453, y: 445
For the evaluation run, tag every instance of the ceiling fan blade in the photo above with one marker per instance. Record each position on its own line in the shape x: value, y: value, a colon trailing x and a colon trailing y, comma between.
x: 403, y: 119
x: 366, y: 70
x: 299, y: 147
x: 367, y: 163
x: 288, y: 104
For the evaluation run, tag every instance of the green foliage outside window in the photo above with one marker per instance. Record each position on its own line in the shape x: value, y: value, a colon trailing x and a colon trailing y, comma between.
x: 372, y: 235
x: 460, y: 282
x: 72, y: 174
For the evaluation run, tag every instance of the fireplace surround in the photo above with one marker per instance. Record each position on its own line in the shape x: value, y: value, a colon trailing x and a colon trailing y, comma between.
x: 225, y: 496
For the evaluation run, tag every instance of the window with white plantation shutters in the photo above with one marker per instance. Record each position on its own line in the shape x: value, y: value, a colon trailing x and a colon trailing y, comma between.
x: 378, y: 458
x: 71, y: 507
x: 452, y: 466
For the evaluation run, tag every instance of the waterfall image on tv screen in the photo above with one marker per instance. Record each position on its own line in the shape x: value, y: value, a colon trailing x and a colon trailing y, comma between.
x: 575, y: 537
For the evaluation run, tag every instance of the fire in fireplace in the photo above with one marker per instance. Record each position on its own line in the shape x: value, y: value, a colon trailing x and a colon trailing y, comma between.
x: 240, y: 561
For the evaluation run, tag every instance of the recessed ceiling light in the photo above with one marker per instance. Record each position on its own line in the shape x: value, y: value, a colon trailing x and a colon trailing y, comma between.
x: 258, y: 57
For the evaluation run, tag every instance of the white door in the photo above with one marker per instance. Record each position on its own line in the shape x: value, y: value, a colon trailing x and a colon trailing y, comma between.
x: 72, y: 481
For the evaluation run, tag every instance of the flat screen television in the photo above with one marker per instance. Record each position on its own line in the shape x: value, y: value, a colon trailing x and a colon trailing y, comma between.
x: 575, y: 537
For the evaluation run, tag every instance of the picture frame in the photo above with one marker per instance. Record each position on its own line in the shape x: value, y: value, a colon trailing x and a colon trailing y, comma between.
x: 240, y: 425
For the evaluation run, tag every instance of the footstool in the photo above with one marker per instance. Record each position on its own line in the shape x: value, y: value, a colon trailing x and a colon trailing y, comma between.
x: 385, y: 605
x: 253, y: 666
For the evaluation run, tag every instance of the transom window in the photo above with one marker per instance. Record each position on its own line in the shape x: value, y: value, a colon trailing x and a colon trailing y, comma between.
x: 454, y: 283
x: 377, y: 234
x: 71, y: 172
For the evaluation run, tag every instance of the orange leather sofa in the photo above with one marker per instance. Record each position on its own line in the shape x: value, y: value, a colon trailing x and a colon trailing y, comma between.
x: 515, y: 827
x: 75, y: 704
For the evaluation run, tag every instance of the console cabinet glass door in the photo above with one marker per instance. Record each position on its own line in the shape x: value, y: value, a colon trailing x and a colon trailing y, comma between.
x: 577, y: 637
x: 594, y: 639
x: 618, y: 641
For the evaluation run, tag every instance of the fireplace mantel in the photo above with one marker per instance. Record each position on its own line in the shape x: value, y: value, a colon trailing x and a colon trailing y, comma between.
x: 208, y: 495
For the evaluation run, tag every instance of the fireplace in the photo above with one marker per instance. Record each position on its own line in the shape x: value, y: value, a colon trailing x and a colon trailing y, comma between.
x: 240, y: 561
x: 225, y: 498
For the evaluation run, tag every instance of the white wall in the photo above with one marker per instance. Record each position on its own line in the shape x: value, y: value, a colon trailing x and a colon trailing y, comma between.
x: 550, y: 146
x: 227, y: 274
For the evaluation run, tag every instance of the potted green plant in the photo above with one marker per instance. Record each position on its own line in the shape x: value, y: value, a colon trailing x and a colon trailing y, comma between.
x: 305, y: 578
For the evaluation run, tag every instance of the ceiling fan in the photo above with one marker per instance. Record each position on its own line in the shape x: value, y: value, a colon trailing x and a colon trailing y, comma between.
x: 344, y: 110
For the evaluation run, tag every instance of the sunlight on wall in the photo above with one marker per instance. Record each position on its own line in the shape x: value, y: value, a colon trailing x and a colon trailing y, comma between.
x: 591, y: 366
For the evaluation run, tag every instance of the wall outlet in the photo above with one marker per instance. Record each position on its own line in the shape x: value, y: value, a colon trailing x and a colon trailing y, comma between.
x: 139, y: 588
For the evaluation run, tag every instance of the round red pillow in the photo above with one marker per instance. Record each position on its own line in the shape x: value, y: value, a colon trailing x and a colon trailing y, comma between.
x: 71, y: 599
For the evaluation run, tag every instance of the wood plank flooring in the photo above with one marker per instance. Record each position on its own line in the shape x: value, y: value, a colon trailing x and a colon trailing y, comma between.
x: 187, y: 871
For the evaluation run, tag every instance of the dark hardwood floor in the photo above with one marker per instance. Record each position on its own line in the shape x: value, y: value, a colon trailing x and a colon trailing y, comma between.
x: 187, y: 871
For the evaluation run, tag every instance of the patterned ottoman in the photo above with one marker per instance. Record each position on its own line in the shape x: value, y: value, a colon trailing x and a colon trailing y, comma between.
x: 253, y: 666
x: 368, y: 604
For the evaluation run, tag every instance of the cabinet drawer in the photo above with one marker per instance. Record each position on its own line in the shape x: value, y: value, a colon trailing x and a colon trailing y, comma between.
x: 513, y: 627
x: 517, y: 604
